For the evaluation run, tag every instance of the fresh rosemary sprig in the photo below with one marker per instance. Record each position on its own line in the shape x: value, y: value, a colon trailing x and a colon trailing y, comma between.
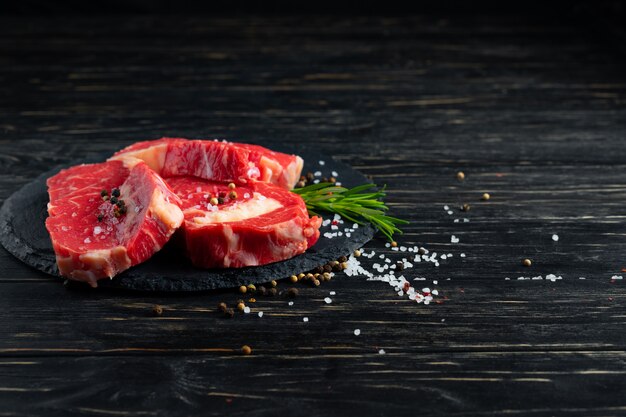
x: 360, y: 205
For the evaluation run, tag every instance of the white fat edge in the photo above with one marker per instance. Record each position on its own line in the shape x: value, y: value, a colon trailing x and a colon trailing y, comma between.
x: 293, y: 171
x: 153, y: 156
x: 254, y: 207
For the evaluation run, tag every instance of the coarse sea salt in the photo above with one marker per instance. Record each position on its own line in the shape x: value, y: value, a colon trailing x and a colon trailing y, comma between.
x: 616, y: 277
x: 322, y: 163
x: 305, y: 319
x: 381, y: 351
x: 454, y: 239
x: 357, y: 332
x: 260, y: 314
x: 290, y: 303
x: 328, y: 300
x: 246, y: 310
x: 555, y: 238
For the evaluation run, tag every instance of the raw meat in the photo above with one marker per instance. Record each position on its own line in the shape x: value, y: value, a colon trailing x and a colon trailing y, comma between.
x: 89, y: 241
x: 216, y: 160
x: 262, y: 224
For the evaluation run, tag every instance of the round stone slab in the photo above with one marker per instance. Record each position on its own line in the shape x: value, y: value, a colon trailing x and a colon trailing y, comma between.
x: 23, y: 233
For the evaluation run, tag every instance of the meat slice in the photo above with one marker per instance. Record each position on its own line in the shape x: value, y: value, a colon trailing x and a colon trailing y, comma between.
x: 95, y: 239
x: 216, y: 160
x: 262, y: 224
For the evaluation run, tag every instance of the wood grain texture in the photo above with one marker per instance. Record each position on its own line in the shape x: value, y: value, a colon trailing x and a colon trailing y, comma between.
x: 533, y: 112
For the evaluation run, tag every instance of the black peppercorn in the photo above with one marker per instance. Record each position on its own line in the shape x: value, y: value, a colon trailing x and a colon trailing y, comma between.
x: 115, y: 192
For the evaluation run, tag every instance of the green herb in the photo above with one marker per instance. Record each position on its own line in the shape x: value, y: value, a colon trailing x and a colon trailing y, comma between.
x: 362, y: 204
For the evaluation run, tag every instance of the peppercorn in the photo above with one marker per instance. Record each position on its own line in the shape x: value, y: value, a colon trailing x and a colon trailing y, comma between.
x: 332, y: 180
x: 400, y: 266
x: 337, y: 267
x: 326, y: 276
x: 324, y: 179
x: 343, y: 265
x: 465, y: 207
x: 342, y: 259
x: 220, y: 200
x: 293, y: 279
x: 272, y: 292
x: 104, y: 193
x: 214, y: 201
x: 421, y: 251
x: 394, y: 244
x: 310, y: 276
x: 246, y: 350
x: 292, y: 292
x: 357, y: 253
x: 243, y: 289
x: 123, y: 210
x: 485, y: 197
x: 274, y: 283
x: 157, y: 310
x: 319, y: 269
x: 301, y: 275
x: 252, y: 300
x: 232, y: 186
x: 232, y: 195
x: 222, y: 307
x: 302, y: 178
x: 328, y: 268
x: 251, y: 288
x: 309, y: 176
x: 300, y: 184
x: 113, y: 200
x: 100, y: 217
x: 527, y: 262
x: 261, y: 290
x: 460, y: 175
x: 241, y: 306
x: 115, y: 192
x: 229, y: 312
x: 316, y: 282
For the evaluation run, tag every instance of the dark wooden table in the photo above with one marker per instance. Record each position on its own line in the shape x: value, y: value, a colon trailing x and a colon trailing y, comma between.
x: 533, y: 112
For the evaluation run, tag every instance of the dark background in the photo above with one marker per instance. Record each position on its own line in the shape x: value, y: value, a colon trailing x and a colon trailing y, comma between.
x: 527, y: 98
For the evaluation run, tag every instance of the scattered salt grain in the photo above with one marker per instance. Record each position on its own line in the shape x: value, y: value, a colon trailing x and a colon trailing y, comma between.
x: 454, y: 239
x: 328, y: 300
x: 87, y: 240
x: 290, y: 303
x: 97, y: 230
x: 246, y: 195
x: 317, y: 173
x: 450, y: 212
x: 332, y: 293
x: 555, y: 238
x: 316, y: 181
x: 462, y: 255
x: 381, y: 352
x: 334, y: 174
x: 582, y: 278
x: 305, y: 319
x: 322, y: 163
x: 357, y: 332
x: 446, y: 208
x: 260, y: 314
x: 246, y: 310
x: 616, y: 277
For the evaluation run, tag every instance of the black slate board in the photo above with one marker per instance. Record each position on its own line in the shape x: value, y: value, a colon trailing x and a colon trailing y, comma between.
x: 23, y: 234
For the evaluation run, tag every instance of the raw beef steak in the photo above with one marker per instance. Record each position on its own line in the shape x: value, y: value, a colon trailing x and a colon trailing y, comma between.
x: 216, y: 160
x: 94, y: 238
x: 260, y: 224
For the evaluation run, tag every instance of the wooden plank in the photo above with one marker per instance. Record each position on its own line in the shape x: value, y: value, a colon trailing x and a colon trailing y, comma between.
x: 319, y: 383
